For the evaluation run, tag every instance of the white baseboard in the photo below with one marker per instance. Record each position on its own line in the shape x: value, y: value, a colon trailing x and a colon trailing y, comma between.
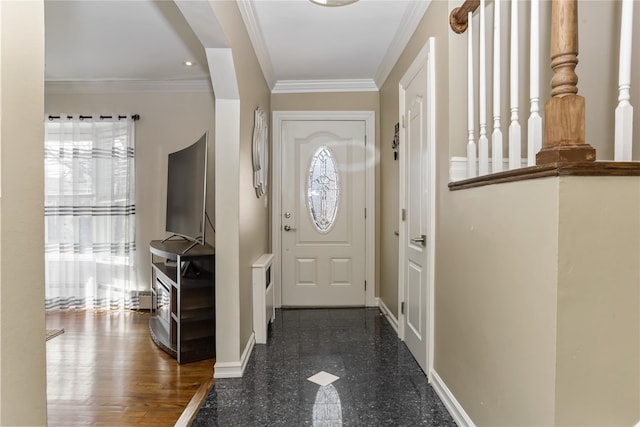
x: 637, y: 424
x: 456, y: 410
x: 235, y: 369
x: 393, y: 321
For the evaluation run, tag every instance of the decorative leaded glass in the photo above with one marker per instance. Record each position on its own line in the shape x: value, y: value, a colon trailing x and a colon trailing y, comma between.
x: 323, y: 189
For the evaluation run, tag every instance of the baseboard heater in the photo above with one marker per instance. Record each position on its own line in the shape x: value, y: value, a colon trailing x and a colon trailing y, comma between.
x: 144, y: 299
x: 264, y: 311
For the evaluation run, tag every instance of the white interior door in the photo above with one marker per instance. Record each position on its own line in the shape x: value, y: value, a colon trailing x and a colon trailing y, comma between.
x: 417, y: 231
x: 323, y: 213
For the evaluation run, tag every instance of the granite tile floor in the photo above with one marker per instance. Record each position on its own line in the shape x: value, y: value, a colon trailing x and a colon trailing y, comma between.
x: 379, y: 382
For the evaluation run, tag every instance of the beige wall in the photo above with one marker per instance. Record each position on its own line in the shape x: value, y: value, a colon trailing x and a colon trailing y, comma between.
x: 598, y: 341
x: 496, y: 278
x: 339, y: 101
x: 494, y: 323
x: 388, y: 196
x: 254, y: 214
x: 537, y: 301
x: 503, y: 314
x: 598, y: 72
x: 168, y: 122
x: 432, y: 25
x: 22, y: 321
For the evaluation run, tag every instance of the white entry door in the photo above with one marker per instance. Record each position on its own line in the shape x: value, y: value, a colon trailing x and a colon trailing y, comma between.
x: 323, y: 213
x: 417, y: 231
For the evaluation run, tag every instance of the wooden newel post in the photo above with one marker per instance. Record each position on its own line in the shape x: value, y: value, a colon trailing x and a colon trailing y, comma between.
x: 565, y: 111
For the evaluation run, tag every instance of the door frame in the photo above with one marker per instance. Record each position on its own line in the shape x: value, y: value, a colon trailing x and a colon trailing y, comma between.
x: 426, y: 55
x: 276, y: 218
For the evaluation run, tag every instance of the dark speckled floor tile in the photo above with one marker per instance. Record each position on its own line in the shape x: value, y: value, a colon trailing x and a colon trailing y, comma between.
x: 380, y: 383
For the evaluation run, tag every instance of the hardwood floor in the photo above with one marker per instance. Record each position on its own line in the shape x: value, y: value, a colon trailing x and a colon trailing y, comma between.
x: 105, y: 370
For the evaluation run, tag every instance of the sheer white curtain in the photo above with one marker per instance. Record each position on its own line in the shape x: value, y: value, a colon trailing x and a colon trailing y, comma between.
x: 90, y: 212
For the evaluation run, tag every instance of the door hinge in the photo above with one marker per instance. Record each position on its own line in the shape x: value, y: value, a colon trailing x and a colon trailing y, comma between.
x: 404, y: 214
x: 403, y: 125
x: 365, y: 285
x: 402, y: 307
x: 365, y: 213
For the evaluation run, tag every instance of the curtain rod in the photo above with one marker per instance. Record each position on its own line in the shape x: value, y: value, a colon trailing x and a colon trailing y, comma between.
x: 133, y: 116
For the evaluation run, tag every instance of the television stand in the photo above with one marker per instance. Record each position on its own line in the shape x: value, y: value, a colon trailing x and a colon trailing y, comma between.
x: 183, y: 299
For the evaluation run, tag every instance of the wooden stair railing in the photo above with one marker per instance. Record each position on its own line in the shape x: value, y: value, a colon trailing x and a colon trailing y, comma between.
x: 564, y: 136
x: 623, y: 137
x: 564, y: 150
x: 565, y: 112
x: 458, y: 20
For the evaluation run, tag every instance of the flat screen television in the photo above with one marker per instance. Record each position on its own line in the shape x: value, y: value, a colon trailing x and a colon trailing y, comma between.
x: 187, y: 191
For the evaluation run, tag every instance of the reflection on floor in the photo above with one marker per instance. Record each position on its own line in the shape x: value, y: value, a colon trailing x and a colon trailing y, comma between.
x: 367, y: 377
x: 106, y: 371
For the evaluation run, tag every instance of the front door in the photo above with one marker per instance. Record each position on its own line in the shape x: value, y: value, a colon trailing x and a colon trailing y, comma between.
x: 323, y: 213
x: 417, y: 233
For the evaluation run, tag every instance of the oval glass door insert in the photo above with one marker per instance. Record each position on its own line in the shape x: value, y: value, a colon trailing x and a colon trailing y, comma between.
x: 323, y: 189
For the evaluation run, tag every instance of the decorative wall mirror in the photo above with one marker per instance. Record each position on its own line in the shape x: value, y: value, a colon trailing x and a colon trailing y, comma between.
x: 260, y: 152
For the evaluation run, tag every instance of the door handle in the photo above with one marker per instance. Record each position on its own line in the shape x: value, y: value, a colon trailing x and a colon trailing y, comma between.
x: 288, y: 228
x: 421, y: 240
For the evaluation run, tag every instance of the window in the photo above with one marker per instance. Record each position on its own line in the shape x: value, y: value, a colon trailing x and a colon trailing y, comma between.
x: 89, y: 213
x: 323, y: 189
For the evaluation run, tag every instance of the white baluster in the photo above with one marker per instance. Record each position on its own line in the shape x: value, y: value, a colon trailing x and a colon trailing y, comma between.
x: 534, y: 128
x: 514, y: 127
x: 624, y: 110
x: 483, y: 142
x: 496, y: 136
x: 472, y: 168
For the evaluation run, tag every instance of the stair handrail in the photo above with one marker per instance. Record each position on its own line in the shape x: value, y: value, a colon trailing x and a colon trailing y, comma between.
x: 458, y: 19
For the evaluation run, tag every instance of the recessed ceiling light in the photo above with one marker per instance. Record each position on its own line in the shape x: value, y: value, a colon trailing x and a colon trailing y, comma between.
x: 333, y: 2
x: 188, y: 63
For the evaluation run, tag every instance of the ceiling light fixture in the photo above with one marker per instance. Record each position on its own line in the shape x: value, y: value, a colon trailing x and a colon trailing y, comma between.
x: 333, y: 2
x: 188, y: 64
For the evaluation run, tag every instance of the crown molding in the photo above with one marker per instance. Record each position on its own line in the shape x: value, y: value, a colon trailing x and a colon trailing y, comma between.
x: 307, y: 86
x: 137, y: 86
x: 250, y: 18
x: 412, y: 17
